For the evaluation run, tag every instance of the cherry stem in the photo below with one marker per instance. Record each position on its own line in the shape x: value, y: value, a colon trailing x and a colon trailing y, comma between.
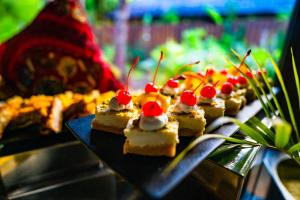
x: 216, y: 83
x: 244, y: 58
x: 198, y: 86
x: 131, y: 68
x: 186, y: 65
x: 157, y: 66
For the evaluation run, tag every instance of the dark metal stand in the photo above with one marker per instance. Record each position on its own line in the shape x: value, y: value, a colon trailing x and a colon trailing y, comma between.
x: 2, y: 189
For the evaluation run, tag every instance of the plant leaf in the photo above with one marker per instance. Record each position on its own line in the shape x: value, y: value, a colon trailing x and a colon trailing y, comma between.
x: 282, y: 133
x: 251, y: 132
x: 254, y: 87
x: 295, y: 147
x: 269, y: 103
x: 270, y: 90
x: 262, y: 129
x: 287, y: 98
x: 296, y: 76
x: 197, y: 141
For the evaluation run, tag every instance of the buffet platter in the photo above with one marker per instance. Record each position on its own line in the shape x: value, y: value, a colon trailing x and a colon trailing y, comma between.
x: 146, y: 173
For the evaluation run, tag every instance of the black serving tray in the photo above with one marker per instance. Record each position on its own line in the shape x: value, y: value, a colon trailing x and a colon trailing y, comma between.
x: 146, y: 173
x: 30, y: 139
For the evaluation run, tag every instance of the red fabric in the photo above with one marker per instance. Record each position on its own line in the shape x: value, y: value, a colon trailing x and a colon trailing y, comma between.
x: 57, y: 52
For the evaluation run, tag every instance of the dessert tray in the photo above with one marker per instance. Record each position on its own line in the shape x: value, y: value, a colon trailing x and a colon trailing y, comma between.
x: 139, y: 134
x: 147, y: 173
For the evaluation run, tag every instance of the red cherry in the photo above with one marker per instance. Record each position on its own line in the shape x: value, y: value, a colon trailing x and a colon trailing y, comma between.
x: 123, y: 97
x: 150, y: 87
x: 249, y: 74
x: 227, y: 88
x: 152, y: 109
x: 173, y: 83
x: 233, y: 80
x: 208, y: 91
x: 188, y: 97
x: 224, y: 72
x: 242, y: 80
x: 210, y: 72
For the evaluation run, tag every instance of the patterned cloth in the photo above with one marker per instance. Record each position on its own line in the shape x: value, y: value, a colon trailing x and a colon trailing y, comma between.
x: 57, y: 52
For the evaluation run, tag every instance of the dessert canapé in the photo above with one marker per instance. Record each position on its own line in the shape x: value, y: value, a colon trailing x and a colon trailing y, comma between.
x: 189, y: 115
x: 212, y: 106
x: 152, y: 133
x: 233, y: 102
x: 151, y: 92
x: 172, y: 87
x: 114, y: 115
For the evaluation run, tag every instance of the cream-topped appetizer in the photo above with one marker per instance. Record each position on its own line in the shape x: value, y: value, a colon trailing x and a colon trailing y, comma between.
x: 189, y: 115
x: 213, y: 107
x: 152, y: 133
x: 173, y: 87
x: 233, y: 102
x: 114, y: 115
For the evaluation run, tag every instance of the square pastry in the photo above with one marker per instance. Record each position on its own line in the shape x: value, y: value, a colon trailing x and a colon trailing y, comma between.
x: 191, y: 123
x: 151, y: 142
x: 213, y: 109
x: 113, y: 121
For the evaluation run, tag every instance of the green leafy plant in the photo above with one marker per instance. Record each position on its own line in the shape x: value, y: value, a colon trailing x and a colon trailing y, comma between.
x: 275, y: 132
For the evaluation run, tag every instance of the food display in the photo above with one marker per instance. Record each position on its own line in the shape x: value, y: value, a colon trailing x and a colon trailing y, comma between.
x: 153, y: 120
x: 153, y: 133
x: 213, y: 107
x: 190, y: 116
x: 47, y: 113
x: 114, y: 115
x: 233, y: 102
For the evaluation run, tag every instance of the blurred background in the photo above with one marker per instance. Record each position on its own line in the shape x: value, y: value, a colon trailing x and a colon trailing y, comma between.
x: 186, y: 31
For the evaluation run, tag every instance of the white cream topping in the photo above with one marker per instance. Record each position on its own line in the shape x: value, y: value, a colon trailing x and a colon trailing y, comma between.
x: 153, y: 123
x: 202, y: 99
x: 183, y: 108
x: 171, y: 91
x: 114, y: 105
x: 223, y: 95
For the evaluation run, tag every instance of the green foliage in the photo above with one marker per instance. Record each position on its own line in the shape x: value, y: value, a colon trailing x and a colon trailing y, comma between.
x: 282, y: 133
x: 216, y: 17
x: 15, y: 15
x: 97, y: 9
x: 170, y: 17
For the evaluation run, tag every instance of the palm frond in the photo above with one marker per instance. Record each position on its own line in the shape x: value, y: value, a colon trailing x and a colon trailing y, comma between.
x: 251, y: 132
x: 270, y: 90
x: 254, y: 87
x: 294, y: 148
x: 257, y: 84
x: 287, y: 98
x: 197, y: 141
x: 283, y: 131
x: 296, y: 76
x: 266, y: 133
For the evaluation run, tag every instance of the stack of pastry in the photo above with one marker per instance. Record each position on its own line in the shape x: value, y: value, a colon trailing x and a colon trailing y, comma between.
x: 47, y: 113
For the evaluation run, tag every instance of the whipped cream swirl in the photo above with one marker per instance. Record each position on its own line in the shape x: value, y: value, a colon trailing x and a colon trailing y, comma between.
x: 153, y: 123
x: 183, y: 108
x: 114, y: 105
